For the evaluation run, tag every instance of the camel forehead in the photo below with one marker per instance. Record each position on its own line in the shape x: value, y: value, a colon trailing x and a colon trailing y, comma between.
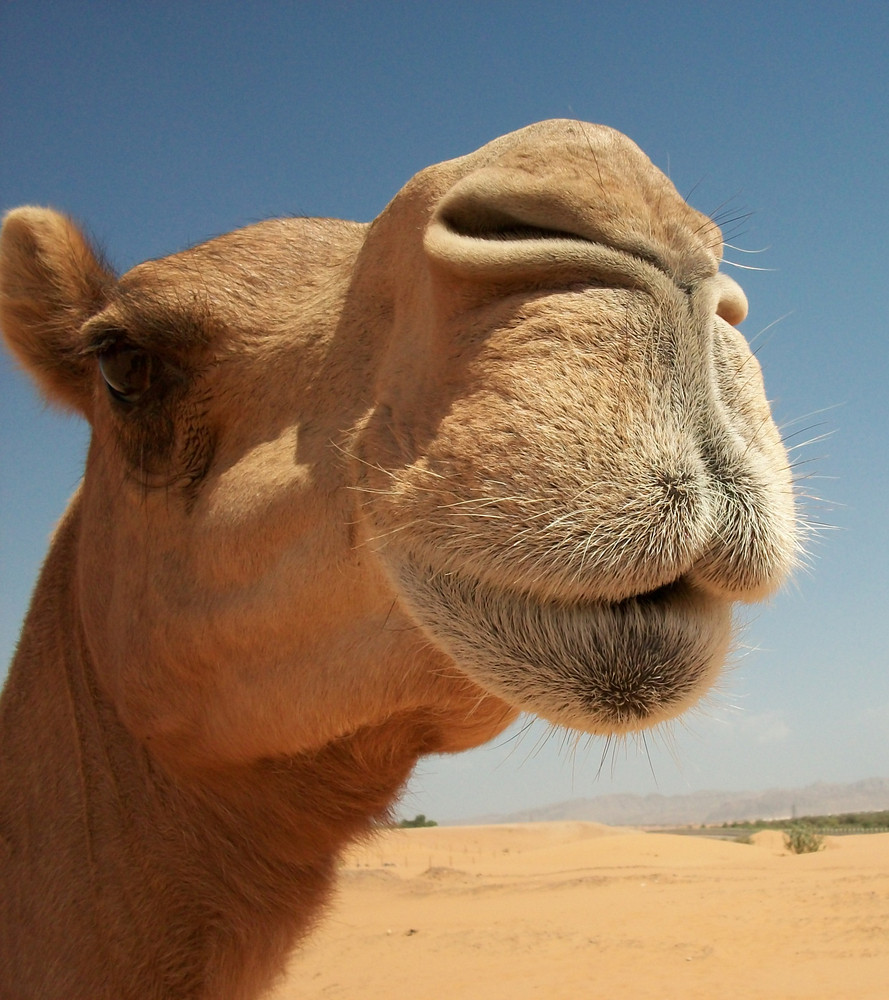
x: 245, y: 256
x: 253, y: 270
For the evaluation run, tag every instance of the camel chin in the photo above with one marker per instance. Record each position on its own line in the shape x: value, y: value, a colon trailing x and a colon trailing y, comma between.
x: 600, y: 667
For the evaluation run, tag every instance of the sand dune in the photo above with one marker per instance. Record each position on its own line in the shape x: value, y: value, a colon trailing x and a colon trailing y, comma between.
x: 577, y: 910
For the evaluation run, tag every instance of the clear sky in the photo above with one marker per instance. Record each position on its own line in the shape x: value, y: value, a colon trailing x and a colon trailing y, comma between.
x: 161, y: 124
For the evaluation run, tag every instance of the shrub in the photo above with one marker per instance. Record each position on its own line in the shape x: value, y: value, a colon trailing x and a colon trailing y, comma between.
x: 417, y: 821
x: 799, y: 840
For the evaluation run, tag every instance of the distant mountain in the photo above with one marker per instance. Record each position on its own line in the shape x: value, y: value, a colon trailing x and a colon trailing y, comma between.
x: 711, y: 807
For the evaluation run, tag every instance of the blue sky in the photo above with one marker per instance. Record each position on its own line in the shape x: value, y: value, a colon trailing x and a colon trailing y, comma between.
x: 159, y: 125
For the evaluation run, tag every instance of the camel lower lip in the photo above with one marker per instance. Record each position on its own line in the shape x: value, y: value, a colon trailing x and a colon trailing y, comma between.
x: 599, y: 667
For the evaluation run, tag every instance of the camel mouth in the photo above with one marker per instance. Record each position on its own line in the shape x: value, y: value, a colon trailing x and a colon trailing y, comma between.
x: 600, y: 667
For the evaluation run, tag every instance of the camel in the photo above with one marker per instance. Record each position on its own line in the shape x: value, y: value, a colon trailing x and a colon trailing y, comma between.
x: 357, y: 493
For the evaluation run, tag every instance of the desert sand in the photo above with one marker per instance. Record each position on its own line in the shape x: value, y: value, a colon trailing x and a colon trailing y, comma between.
x: 577, y: 910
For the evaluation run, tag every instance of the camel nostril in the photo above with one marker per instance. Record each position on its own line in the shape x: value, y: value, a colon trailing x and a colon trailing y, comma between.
x: 478, y: 221
x: 732, y: 304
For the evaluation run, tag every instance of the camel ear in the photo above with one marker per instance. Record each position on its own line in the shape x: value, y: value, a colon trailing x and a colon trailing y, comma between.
x: 51, y: 281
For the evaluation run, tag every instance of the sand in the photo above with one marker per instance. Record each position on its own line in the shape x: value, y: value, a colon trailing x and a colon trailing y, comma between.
x: 578, y: 910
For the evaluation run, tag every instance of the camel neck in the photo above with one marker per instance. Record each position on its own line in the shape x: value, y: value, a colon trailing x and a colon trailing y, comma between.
x: 122, y: 879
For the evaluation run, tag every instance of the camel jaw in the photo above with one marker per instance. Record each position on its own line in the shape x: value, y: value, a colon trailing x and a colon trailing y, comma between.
x: 599, y: 667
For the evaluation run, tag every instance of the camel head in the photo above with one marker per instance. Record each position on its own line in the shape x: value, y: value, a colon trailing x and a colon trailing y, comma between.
x: 502, y: 449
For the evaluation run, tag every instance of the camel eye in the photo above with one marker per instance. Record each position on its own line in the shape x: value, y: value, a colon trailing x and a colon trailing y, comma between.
x: 128, y: 372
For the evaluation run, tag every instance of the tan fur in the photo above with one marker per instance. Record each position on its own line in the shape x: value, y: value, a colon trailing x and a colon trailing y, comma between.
x: 363, y: 493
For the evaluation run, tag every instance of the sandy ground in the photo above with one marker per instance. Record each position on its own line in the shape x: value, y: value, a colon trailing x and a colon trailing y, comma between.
x: 577, y: 910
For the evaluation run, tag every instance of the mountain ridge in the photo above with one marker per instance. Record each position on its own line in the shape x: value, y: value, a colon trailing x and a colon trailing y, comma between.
x: 708, y: 807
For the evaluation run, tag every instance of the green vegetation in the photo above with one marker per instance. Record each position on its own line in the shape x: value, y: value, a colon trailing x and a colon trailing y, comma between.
x: 803, y: 840
x: 863, y: 822
x: 417, y: 821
